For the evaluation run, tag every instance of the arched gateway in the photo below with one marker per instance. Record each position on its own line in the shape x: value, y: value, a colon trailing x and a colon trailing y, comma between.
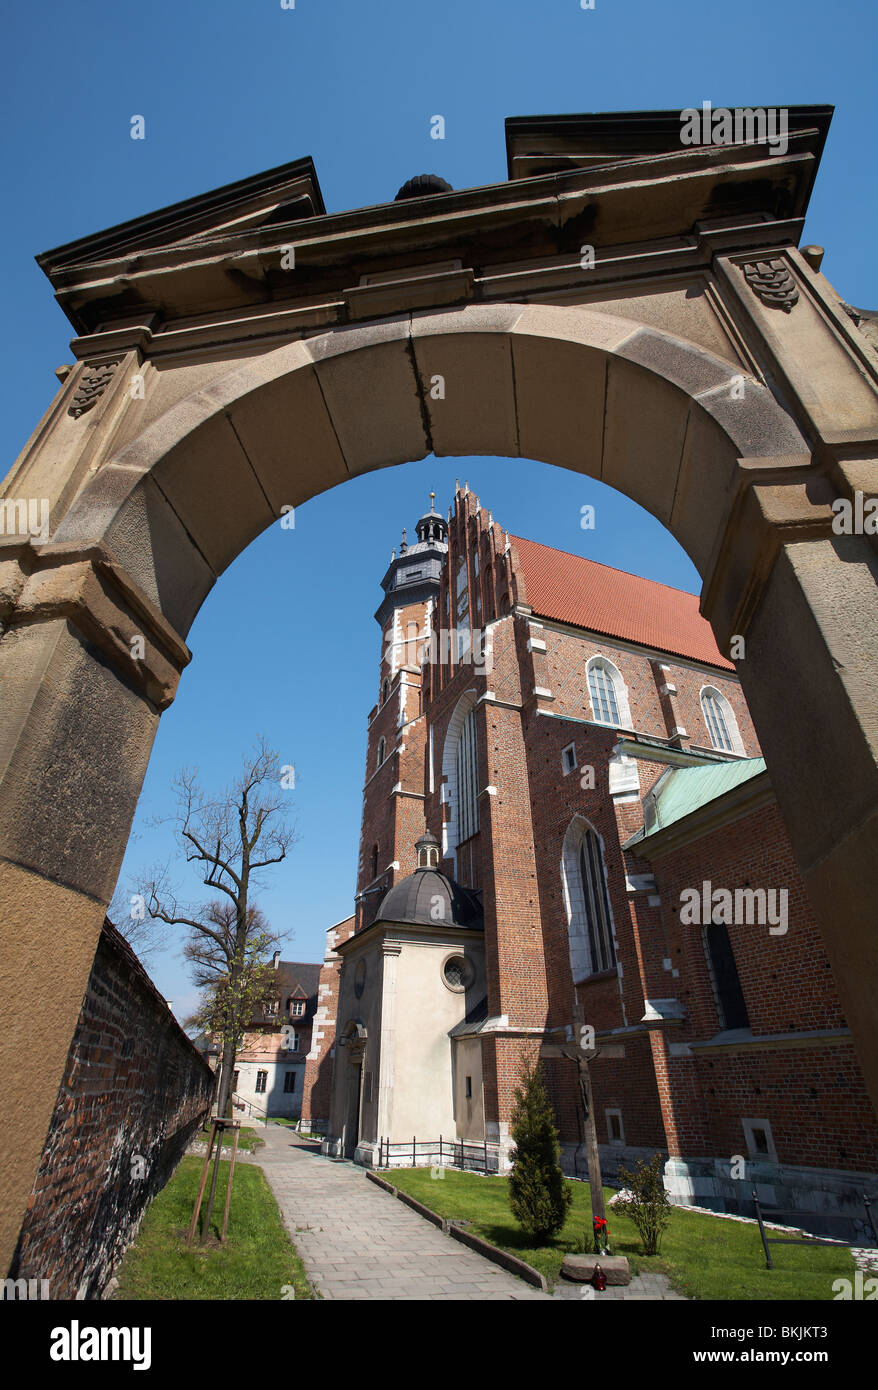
x: 243, y: 351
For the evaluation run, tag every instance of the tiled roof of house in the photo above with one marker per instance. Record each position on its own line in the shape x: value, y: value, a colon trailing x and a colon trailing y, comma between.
x: 572, y: 589
x: 293, y: 979
x: 291, y: 974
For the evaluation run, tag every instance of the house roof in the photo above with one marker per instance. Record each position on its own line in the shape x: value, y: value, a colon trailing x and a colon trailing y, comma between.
x: 575, y: 590
x: 681, y: 791
x: 295, y: 976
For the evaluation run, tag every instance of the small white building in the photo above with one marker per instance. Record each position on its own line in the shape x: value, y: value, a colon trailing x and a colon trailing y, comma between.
x: 412, y: 1000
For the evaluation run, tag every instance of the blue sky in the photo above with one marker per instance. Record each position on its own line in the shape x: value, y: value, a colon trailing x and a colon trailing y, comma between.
x: 229, y: 89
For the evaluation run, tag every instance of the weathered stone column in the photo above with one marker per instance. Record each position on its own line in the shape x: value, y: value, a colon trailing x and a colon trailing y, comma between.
x: 805, y: 600
x: 87, y: 663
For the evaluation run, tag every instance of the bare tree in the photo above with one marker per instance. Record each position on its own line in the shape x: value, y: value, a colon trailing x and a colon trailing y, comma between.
x: 231, y: 840
x: 229, y: 1004
x: 129, y: 913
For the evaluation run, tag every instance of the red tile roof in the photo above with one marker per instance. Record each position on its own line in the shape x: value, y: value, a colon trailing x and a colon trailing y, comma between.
x: 571, y: 589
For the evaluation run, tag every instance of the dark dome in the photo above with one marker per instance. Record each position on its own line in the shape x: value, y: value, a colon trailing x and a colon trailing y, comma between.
x: 413, y: 899
x: 422, y: 185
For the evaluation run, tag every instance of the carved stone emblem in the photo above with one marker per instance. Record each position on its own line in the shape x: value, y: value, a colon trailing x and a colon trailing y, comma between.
x: 773, y: 283
x: 92, y: 385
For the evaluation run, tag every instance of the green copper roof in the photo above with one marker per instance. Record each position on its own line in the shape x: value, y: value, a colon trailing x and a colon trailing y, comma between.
x: 685, y: 789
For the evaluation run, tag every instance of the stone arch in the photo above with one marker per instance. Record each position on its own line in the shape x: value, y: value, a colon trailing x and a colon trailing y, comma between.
x: 709, y: 450
x: 179, y: 502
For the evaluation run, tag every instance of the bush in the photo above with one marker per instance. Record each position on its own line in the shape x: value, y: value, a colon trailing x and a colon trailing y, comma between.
x: 646, y: 1202
x: 538, y: 1194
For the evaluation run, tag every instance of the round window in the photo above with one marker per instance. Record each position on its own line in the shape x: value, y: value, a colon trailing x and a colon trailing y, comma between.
x: 360, y: 979
x: 457, y: 973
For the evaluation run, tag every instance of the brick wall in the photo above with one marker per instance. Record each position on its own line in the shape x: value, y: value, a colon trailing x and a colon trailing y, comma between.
x: 134, y: 1092
x: 810, y: 1090
x: 317, y: 1095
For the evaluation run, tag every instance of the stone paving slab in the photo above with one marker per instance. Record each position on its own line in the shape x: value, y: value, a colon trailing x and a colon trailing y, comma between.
x: 358, y: 1242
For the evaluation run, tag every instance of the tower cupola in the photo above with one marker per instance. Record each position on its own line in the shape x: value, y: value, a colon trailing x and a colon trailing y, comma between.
x: 432, y: 525
x: 427, y: 848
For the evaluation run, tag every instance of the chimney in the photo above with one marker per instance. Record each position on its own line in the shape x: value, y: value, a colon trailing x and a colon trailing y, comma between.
x: 276, y: 959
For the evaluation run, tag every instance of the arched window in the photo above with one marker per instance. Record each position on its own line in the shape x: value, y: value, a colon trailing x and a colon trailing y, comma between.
x: 589, y: 917
x: 729, y: 996
x: 722, y: 726
x: 467, y: 780
x: 462, y: 613
x: 374, y: 865
x: 460, y: 769
x: 489, y: 591
x: 461, y: 576
x: 609, y: 698
x: 385, y: 688
x: 381, y: 747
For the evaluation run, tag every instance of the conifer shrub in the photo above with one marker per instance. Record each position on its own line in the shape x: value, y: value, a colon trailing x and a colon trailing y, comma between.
x: 538, y: 1193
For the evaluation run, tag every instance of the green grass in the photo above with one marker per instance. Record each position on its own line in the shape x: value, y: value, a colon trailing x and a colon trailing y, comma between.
x: 247, y: 1139
x: 705, y: 1257
x: 257, y: 1260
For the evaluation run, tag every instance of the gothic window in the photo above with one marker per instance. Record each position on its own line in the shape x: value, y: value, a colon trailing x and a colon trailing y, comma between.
x: 374, y: 863
x: 609, y: 699
x: 722, y: 726
x: 724, y: 977
x: 597, y: 906
x: 381, y: 747
x: 467, y: 780
x: 462, y: 612
x: 385, y: 687
x: 590, y: 924
x: 460, y: 774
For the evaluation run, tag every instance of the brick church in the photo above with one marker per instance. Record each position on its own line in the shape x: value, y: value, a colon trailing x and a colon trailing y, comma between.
x: 567, y: 821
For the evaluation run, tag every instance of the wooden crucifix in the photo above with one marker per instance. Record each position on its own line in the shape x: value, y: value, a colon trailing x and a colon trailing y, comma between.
x: 582, y: 1055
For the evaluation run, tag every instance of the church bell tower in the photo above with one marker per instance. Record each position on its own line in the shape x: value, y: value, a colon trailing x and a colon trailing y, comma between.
x: 393, y: 791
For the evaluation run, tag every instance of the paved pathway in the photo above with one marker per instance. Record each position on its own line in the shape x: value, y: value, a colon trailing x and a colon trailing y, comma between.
x: 358, y: 1242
